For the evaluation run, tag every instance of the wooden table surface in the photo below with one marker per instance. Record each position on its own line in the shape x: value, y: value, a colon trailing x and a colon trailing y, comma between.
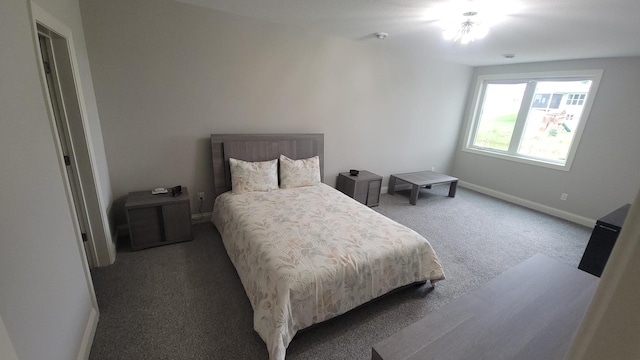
x: 531, y: 311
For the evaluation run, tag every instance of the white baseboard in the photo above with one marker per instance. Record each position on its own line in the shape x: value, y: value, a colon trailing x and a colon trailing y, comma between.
x: 201, y: 218
x: 89, y: 334
x: 530, y: 204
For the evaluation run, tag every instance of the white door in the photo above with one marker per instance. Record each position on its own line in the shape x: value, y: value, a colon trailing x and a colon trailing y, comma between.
x: 64, y: 135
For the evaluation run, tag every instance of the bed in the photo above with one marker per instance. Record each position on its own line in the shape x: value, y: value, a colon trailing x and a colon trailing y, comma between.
x: 305, y: 254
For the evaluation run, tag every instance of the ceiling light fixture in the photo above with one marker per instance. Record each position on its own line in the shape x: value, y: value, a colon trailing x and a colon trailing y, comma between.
x: 381, y: 35
x: 467, y: 31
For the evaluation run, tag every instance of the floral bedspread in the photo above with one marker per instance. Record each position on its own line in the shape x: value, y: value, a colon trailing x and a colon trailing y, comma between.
x: 308, y: 254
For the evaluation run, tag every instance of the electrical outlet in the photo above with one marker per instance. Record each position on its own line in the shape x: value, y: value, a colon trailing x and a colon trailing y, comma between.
x: 201, y: 196
x: 563, y: 197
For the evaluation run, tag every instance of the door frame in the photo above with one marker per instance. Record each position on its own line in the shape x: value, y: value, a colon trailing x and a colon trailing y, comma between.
x: 83, y: 153
x: 100, y: 237
x: 59, y: 113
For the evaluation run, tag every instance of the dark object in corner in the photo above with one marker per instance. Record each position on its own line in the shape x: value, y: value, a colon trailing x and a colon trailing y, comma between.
x: 176, y: 190
x: 602, y: 240
x: 353, y: 172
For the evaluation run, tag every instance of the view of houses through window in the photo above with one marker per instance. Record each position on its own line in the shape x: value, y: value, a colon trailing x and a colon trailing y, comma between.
x: 534, y: 119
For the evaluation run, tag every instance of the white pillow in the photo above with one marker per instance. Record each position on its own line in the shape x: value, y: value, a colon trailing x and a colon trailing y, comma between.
x: 253, y: 176
x: 297, y: 173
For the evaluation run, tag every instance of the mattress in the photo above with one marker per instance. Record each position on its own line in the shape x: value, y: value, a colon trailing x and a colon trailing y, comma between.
x: 308, y: 254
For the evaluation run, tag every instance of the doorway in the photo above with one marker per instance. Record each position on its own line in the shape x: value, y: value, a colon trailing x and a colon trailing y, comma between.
x: 62, y: 96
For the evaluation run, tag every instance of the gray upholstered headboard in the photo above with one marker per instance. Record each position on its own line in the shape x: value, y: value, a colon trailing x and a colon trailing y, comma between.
x: 260, y: 147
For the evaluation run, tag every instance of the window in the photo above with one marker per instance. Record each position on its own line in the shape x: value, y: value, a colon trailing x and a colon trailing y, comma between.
x: 531, y: 118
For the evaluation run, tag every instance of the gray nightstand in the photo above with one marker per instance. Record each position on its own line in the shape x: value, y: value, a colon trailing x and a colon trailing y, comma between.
x: 158, y: 219
x: 365, y: 187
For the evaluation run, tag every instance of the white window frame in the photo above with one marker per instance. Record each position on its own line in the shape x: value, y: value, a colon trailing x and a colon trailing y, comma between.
x: 511, y: 155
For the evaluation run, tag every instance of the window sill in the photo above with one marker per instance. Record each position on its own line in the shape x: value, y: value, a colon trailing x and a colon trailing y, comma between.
x: 519, y: 159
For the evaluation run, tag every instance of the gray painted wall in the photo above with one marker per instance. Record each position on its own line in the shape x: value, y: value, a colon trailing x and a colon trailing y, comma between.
x: 399, y: 112
x: 605, y: 173
x: 45, y: 295
x: 169, y: 74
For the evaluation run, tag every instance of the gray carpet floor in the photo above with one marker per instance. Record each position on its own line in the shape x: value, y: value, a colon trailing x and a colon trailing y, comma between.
x: 185, y: 300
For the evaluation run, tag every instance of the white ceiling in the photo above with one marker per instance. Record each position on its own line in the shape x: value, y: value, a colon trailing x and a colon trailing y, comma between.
x: 533, y: 30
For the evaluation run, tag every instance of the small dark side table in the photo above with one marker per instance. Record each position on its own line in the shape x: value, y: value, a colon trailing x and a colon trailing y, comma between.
x: 602, y: 240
